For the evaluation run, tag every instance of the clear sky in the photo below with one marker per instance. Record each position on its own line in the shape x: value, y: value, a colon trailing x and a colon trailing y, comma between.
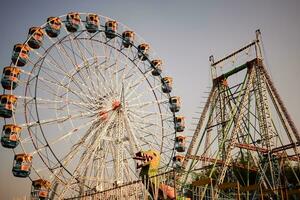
x: 184, y: 34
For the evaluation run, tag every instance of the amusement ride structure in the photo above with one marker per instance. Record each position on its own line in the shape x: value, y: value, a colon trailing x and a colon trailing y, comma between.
x: 83, y: 96
x: 89, y: 115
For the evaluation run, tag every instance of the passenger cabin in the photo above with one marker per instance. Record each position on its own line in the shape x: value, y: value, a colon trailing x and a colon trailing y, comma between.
x: 175, y: 103
x: 20, y: 54
x: 178, y: 161
x: 157, y: 67
x: 111, y: 29
x: 8, y: 104
x: 92, y: 23
x: 35, y: 35
x: 179, y: 123
x: 53, y: 26
x: 10, y: 135
x: 143, y: 51
x: 180, y: 143
x: 40, y: 189
x: 128, y: 37
x: 73, y: 22
x: 10, y: 77
x: 167, y: 83
x: 22, y: 165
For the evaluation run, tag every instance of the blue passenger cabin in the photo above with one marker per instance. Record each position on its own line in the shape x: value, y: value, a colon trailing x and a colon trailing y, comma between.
x: 180, y: 143
x: 92, y: 23
x: 40, y: 189
x: 73, y: 22
x: 175, y: 103
x: 111, y: 29
x: 179, y: 123
x: 143, y: 51
x: 157, y: 67
x: 10, y: 136
x: 167, y: 83
x: 35, y: 35
x: 8, y: 104
x: 10, y: 77
x: 128, y: 38
x: 53, y: 26
x: 20, y: 54
x: 22, y: 165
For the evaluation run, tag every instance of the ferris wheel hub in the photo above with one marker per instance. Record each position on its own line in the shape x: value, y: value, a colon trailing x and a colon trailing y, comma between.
x: 116, y: 104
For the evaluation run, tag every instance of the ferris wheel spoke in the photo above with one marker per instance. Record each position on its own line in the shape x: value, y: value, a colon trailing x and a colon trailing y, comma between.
x: 132, y: 88
x: 75, y: 43
x: 36, y: 100
x: 51, y: 63
x: 87, y: 137
x: 49, y: 83
x: 76, y: 69
x: 152, y: 89
x: 57, y: 120
x: 66, y: 135
x: 150, y: 113
x: 144, y: 104
x: 90, y: 152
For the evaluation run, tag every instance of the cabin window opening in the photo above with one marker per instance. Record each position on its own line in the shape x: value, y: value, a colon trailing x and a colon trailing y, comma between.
x: 3, y: 101
x: 7, y: 72
x: 7, y: 131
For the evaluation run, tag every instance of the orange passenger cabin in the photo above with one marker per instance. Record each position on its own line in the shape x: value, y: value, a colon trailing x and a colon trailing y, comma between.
x: 167, y: 83
x: 180, y: 143
x: 73, y: 22
x: 128, y: 38
x: 175, y: 103
x: 157, y: 67
x: 179, y: 123
x: 10, y: 136
x: 20, y: 54
x: 178, y: 161
x: 40, y: 189
x: 143, y: 51
x: 53, y: 26
x: 92, y: 23
x: 22, y: 165
x: 10, y: 77
x: 111, y: 29
x: 35, y: 35
x: 8, y: 104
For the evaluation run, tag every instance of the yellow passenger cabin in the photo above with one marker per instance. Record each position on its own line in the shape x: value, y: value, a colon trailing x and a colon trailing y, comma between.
x: 180, y: 143
x: 73, y: 22
x: 53, y: 26
x: 111, y: 29
x: 92, y: 23
x: 175, y: 103
x: 10, y: 77
x: 179, y: 123
x: 128, y: 38
x: 8, y: 104
x: 22, y: 165
x: 40, y: 189
x: 167, y: 84
x: 10, y: 136
x: 178, y: 161
x: 157, y: 67
x: 20, y: 54
x: 143, y: 51
x: 35, y: 35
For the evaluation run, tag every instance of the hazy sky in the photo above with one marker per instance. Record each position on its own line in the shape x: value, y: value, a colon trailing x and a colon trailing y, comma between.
x: 184, y: 34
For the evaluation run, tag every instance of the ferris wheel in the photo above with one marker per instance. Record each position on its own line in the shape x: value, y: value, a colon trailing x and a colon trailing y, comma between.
x: 81, y: 96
